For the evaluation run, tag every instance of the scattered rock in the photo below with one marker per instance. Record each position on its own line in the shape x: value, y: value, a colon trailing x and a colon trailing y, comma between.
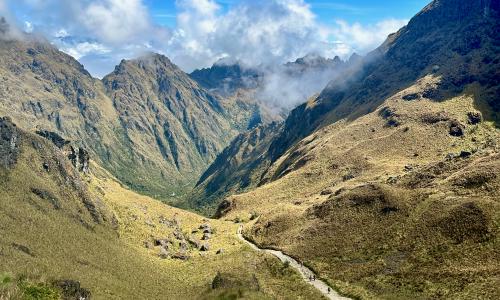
x: 391, y: 116
x: 149, y: 223
x: 148, y: 245
x: 220, y: 251
x: 181, y: 255
x: 183, y: 245
x: 409, y: 168
x: 475, y: 118
x: 411, y: 97
x: 456, y: 128
x: 71, y: 289
x: 205, y: 247
x: 165, y: 243
x: 392, y: 179
x: 206, y: 236
x: 164, y: 253
x: 326, y: 192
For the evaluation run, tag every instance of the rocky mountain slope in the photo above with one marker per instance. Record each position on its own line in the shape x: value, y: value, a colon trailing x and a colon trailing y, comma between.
x: 387, y: 179
x: 66, y: 234
x: 170, y: 122
x: 148, y: 123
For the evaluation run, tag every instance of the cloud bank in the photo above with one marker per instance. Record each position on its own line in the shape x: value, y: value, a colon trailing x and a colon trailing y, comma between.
x: 102, y: 32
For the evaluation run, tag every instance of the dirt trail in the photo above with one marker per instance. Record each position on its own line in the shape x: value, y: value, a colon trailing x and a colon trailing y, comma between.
x: 303, y: 270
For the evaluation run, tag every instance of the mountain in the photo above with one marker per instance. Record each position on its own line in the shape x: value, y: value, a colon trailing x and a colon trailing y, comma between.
x: 67, y: 234
x: 226, y: 77
x: 234, y: 169
x: 385, y: 183
x: 148, y: 123
x: 273, y: 90
x: 170, y: 122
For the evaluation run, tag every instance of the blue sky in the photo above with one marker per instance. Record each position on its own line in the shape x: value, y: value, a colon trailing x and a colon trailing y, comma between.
x: 198, y: 33
x: 363, y: 11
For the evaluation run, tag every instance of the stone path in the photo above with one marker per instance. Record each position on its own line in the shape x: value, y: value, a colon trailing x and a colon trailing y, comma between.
x: 303, y: 270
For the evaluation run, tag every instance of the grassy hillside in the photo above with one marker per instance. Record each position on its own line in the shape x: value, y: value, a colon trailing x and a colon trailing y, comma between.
x: 393, y: 204
x: 59, y: 227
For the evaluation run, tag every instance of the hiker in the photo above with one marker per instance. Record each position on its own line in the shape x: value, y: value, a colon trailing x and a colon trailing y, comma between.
x: 310, y: 278
x: 328, y: 290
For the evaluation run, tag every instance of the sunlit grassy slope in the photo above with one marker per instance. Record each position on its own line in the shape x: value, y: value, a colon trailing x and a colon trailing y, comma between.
x: 100, y: 242
x: 390, y: 205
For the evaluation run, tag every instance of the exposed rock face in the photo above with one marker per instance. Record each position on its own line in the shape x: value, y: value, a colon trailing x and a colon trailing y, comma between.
x: 79, y: 157
x: 9, y: 143
x: 148, y: 123
x: 174, y: 124
x: 227, y: 78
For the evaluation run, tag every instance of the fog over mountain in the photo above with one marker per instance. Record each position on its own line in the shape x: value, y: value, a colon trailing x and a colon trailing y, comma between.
x: 99, y: 33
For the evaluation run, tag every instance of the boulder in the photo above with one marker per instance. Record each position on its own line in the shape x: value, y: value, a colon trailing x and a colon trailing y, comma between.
x: 183, y: 245
x: 72, y: 290
x: 178, y: 235
x: 164, y: 253
x: 205, y: 247
x: 457, y: 129
x: 194, y: 242
x: 182, y: 255
x: 220, y: 251
x: 206, y: 236
x: 475, y: 118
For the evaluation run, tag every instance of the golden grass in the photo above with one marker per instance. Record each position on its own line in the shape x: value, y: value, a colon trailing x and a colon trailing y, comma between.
x: 48, y: 244
x: 359, y: 249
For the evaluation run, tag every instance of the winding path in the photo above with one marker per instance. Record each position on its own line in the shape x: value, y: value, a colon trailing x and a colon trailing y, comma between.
x: 303, y: 270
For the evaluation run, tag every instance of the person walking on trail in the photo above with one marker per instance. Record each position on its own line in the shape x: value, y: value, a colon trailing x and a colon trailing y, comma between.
x: 328, y: 290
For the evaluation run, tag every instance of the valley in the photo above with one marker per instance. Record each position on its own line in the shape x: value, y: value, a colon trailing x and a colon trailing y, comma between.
x: 372, y: 177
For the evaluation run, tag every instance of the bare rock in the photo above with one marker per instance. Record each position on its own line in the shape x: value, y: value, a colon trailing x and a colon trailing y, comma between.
x: 457, y: 129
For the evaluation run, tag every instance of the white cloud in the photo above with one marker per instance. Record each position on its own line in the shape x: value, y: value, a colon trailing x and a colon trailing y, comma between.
x: 28, y: 27
x: 252, y: 31
x: 365, y: 38
x: 82, y: 49
x: 116, y: 21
